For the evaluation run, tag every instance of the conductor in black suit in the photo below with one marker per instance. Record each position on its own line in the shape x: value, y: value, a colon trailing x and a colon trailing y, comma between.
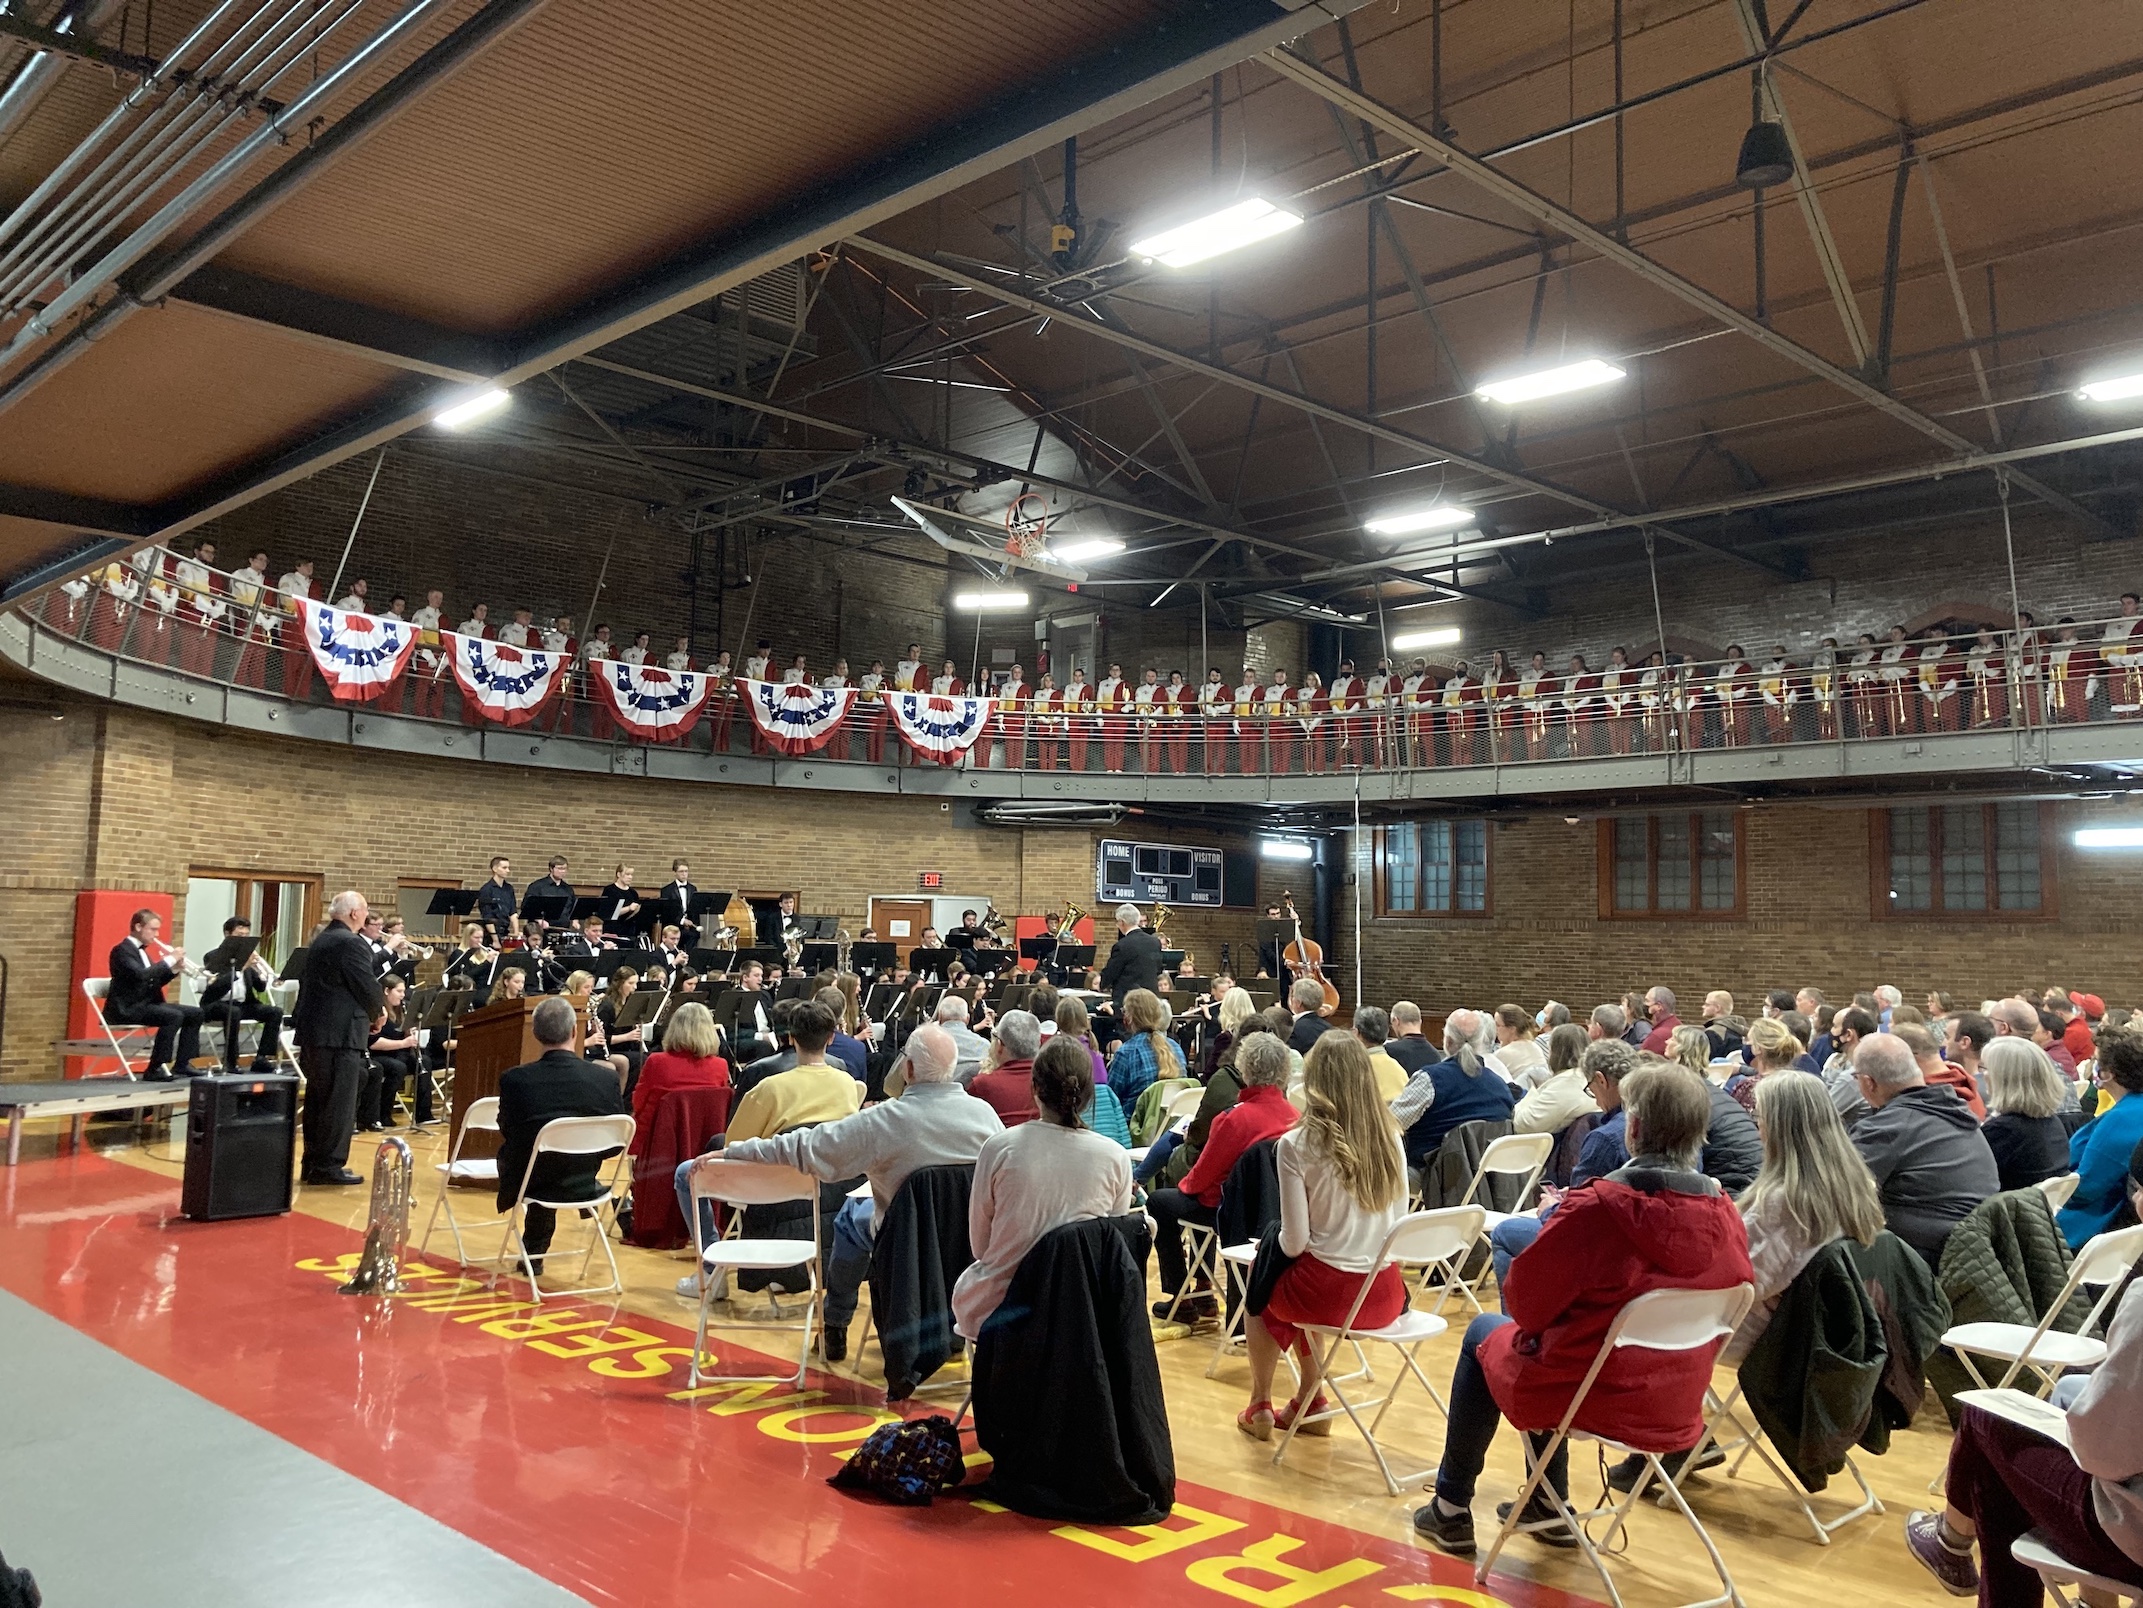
x: 1134, y: 959
x: 339, y: 999
x: 138, y: 980
x: 558, y: 1084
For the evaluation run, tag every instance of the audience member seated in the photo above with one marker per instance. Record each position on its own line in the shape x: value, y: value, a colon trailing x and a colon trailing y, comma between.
x: 1147, y: 1054
x: 1036, y: 1177
x: 1408, y: 1045
x: 1462, y: 1087
x: 846, y: 1051
x: 1306, y: 1007
x: 1518, y: 1047
x: 1848, y: 1029
x: 1069, y: 1017
x: 1221, y: 1093
x: 951, y: 1015
x: 1558, y: 1098
x: 1260, y: 1112
x: 1609, y: 1022
x: 1659, y: 1011
x: 1606, y: 1063
x: 2085, y: 1499
x: 1723, y: 1030
x: 934, y: 1124
x: 1008, y: 1085
x: 687, y: 1060
x: 2025, y: 1131
x: 1930, y: 1161
x: 1234, y: 1012
x: 556, y: 1084
x: 1342, y: 1190
x: 1964, y: 1037
x: 1940, y: 1074
x: 1373, y: 1027
x: 781, y: 1019
x: 1772, y: 1048
x: 2099, y: 1152
x: 1655, y: 1224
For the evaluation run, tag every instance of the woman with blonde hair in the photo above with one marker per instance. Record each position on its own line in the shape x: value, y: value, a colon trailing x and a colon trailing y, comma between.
x: 1690, y: 1047
x: 1342, y: 1189
x: 1772, y: 1048
x: 1072, y: 1022
x: 1147, y: 1054
x: 2024, y: 1100
x: 690, y: 1058
x: 1518, y: 1047
x: 578, y: 991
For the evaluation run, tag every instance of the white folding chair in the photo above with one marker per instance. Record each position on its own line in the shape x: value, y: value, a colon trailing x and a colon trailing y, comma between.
x: 2058, y: 1190
x: 1514, y: 1155
x: 483, y: 1117
x: 1236, y: 1262
x: 1745, y: 1440
x: 2057, y: 1574
x: 755, y: 1183
x: 1661, y: 1320
x: 126, y: 1044
x: 573, y: 1136
x: 2049, y: 1352
x: 1419, y: 1237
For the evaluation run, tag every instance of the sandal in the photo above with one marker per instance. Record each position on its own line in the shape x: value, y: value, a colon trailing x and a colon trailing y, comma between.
x: 1312, y: 1424
x: 1256, y: 1420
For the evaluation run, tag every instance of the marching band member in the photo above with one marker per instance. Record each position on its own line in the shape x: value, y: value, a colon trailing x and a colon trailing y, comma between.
x: 1417, y: 696
x: 353, y: 601
x: 1535, y: 686
x: 1458, y: 697
x: 1078, y: 703
x: 2124, y: 665
x: 1276, y: 708
x: 679, y: 659
x: 520, y: 631
x: 947, y: 683
x: 1249, y: 735
x: 721, y: 700
x: 397, y: 608
x: 1891, y: 669
x: 1618, y: 697
x: 1346, y: 696
x: 1942, y: 710
x: 871, y: 712
x: 1143, y: 700
x: 1011, y: 723
x: 1312, y: 705
x: 1654, y: 688
x: 1774, y: 685
x: 1177, y: 710
x: 797, y: 674
x: 250, y: 594
x: 297, y: 658
x: 1984, y: 668
x: 118, y: 588
x: 1823, y: 689
x: 603, y: 725
x: 1863, y: 678
x: 2029, y: 698
x: 1580, y: 739
x: 1378, y: 690
x: 1498, y: 693
x: 157, y: 624
x: 836, y: 679
x: 1216, y: 701
x: 908, y: 675
x: 1730, y: 689
x: 427, y: 689
x: 2068, y: 676
x: 1111, y: 697
x: 558, y: 640
x: 756, y: 667
x: 642, y: 645
x: 475, y: 964
x: 201, y: 608
x: 477, y: 625
x: 1048, y: 722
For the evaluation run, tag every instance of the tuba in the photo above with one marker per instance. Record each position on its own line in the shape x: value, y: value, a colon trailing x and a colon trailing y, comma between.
x: 1159, y: 921
x: 379, y: 1265
x: 1073, y: 915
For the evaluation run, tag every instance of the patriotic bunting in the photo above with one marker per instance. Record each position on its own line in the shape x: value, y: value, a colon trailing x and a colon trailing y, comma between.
x: 794, y: 718
x: 650, y: 702
x: 360, y: 656
x: 507, y: 686
x: 938, y: 727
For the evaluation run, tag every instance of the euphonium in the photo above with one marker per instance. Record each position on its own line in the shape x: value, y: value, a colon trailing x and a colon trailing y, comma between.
x: 379, y: 1265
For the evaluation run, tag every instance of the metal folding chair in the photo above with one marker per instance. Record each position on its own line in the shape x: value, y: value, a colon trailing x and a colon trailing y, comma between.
x: 483, y: 1117
x: 1513, y: 1155
x: 755, y: 1183
x: 573, y: 1136
x: 1660, y: 1320
x: 124, y: 1043
x: 2058, y: 1190
x: 1747, y: 1440
x: 2057, y: 1574
x: 2049, y: 1352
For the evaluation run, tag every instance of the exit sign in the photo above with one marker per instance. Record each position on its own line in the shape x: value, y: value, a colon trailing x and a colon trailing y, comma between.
x: 925, y: 881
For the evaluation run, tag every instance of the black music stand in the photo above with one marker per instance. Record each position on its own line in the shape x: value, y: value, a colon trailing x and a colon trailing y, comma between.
x: 1077, y: 958
x: 552, y: 908
x: 819, y: 956
x: 639, y: 1009
x: 769, y: 958
x: 872, y: 958
x: 294, y: 965
x: 963, y: 937
x: 937, y: 961
x: 1171, y: 959
x: 611, y: 960
x: 991, y: 962
x: 766, y: 923
x: 1273, y: 937
x: 458, y: 903
x: 712, y: 962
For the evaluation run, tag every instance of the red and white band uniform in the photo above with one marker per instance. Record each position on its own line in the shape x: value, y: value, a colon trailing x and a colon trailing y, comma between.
x: 556, y: 639
x: 871, y: 714
x: 2124, y: 664
x: 1010, y: 722
x: 1580, y: 728
x: 1459, y: 697
x: 1497, y: 691
x: 1048, y: 723
x: 297, y: 660
x: 516, y: 633
x: 1145, y: 699
x: 1823, y: 692
x: 948, y: 685
x: 2068, y: 679
x: 1939, y: 673
x: 1775, y: 686
x: 1076, y: 698
x: 1249, y: 733
x: 1276, y: 703
x: 118, y: 590
x: 755, y: 669
x: 1988, y: 677
x: 1348, y: 693
x: 1313, y: 706
x: 1618, y: 701
x: 1730, y: 691
x: 1892, y: 671
x: 1535, y: 687
x: 1417, y: 698
x: 1652, y: 691
x: 1376, y: 693
x: 1111, y: 697
x: 156, y: 629
x: 251, y: 601
x: 201, y: 610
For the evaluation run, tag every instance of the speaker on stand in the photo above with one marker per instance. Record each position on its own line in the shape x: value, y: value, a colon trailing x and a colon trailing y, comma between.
x: 241, y: 1141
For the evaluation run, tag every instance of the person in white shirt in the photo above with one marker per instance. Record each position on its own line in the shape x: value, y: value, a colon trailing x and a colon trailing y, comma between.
x: 478, y: 624
x: 288, y: 629
x: 798, y: 673
x: 762, y: 656
x: 908, y: 672
x: 602, y: 725
x: 521, y: 632
x: 679, y: 658
x: 1110, y: 696
x: 428, y: 673
x: 946, y: 683
x: 637, y: 653
x: 201, y: 609
x: 1562, y: 1095
x: 353, y: 601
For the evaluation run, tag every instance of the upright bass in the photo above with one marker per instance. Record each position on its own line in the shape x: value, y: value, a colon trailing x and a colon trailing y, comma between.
x: 1304, y: 957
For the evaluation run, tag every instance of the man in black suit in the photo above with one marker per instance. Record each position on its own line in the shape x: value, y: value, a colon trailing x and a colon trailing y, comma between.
x: 678, y: 891
x: 137, y: 999
x: 1134, y: 959
x: 1305, y: 997
x: 240, y: 994
x: 339, y: 999
x: 558, y: 1084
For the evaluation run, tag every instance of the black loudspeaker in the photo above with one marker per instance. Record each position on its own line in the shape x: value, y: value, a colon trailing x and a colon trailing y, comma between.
x: 241, y: 1138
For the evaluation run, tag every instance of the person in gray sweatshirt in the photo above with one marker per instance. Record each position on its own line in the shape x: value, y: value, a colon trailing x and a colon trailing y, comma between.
x: 1931, y: 1163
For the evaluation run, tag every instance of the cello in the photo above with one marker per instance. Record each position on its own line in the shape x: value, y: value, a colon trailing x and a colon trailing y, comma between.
x: 1305, y: 957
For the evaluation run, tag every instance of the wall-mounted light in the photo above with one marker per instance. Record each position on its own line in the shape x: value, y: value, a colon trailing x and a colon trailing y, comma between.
x: 2109, y: 837
x: 1443, y: 636
x: 1285, y: 849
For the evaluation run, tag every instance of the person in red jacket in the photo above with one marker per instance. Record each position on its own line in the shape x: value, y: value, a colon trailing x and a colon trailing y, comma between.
x: 1659, y: 1000
x: 687, y: 1060
x: 1656, y: 1224
x: 1008, y: 1082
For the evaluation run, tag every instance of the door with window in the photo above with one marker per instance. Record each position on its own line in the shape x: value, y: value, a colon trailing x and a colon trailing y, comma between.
x: 282, y: 906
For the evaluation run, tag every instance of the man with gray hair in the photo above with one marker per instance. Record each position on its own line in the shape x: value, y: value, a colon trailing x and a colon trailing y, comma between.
x: 1408, y: 1045
x: 1305, y: 1001
x: 932, y: 1124
x: 951, y: 1015
x: 339, y: 999
x: 1134, y: 959
x: 1607, y: 1022
x: 1887, y: 999
x: 1931, y: 1163
x: 557, y: 1084
x: 2015, y: 1017
x: 1463, y: 1087
x: 1008, y: 1085
x: 1373, y: 1027
x: 1659, y: 1000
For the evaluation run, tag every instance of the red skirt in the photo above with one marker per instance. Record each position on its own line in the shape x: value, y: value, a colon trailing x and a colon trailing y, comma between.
x: 1316, y: 1292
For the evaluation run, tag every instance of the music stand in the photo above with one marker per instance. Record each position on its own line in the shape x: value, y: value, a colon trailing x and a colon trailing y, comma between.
x: 821, y: 929
x: 930, y: 960
x: 553, y: 908
x: 1079, y: 957
x: 1171, y: 959
x: 639, y: 1009
x: 1273, y: 937
x: 712, y: 962
x: 611, y: 960
x: 818, y: 957
x: 769, y: 958
x: 230, y: 956
x: 991, y: 962
x: 458, y: 903
x: 871, y: 958
x: 294, y: 965
x: 1037, y: 949
x: 963, y: 937
x: 766, y: 922
x: 796, y: 986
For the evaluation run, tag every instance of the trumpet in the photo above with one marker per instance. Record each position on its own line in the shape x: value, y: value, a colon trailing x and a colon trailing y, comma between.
x: 192, y: 970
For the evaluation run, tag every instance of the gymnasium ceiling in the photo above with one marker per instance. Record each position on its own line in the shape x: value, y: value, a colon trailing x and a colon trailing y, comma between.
x: 550, y: 195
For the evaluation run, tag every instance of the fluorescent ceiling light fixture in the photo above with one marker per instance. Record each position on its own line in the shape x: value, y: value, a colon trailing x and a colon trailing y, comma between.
x: 1229, y: 229
x: 974, y: 602
x: 1090, y: 547
x: 1444, y: 636
x: 463, y: 414
x: 2119, y: 388
x: 2109, y: 837
x: 1285, y: 849
x: 1579, y: 376
x: 1412, y: 521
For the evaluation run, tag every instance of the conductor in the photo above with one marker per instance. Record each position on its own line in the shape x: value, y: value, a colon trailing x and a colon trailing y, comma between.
x: 1134, y: 959
x: 339, y: 1000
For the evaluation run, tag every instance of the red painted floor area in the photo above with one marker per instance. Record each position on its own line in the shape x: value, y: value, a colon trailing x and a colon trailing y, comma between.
x: 558, y: 1437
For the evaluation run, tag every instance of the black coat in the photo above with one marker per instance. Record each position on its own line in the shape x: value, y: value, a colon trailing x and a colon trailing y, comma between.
x: 2027, y: 1150
x: 1134, y: 962
x: 1812, y: 1377
x: 1067, y: 1388
x: 920, y: 1251
x: 558, y: 1084
x: 338, y: 992
x: 1733, y: 1149
x: 1308, y: 1029
x: 136, y: 981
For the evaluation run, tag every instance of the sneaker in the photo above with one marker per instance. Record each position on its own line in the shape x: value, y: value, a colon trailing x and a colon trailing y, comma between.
x: 1623, y: 1476
x: 1447, y: 1532
x: 1541, y: 1511
x: 1255, y: 1420
x: 688, y: 1286
x: 1955, y: 1572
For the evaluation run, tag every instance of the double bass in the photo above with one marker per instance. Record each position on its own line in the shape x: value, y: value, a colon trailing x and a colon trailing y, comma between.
x: 1304, y: 957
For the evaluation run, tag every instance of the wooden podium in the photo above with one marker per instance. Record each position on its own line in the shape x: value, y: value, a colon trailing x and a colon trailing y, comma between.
x: 489, y: 1042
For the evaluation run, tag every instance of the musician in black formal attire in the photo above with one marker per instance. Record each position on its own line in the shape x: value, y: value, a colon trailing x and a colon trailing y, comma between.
x: 584, y: 942
x: 747, y: 1018
x: 623, y: 900
x: 1134, y: 959
x: 138, y: 981
x: 374, y: 933
x: 496, y: 906
x: 550, y: 887
x: 670, y: 951
x: 679, y: 891
x: 556, y: 1084
x: 475, y: 964
x: 394, y: 1050
x: 968, y: 934
x: 339, y: 998
x: 239, y: 993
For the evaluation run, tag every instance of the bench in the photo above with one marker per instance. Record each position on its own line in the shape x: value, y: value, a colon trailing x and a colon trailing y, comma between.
x: 78, y: 1097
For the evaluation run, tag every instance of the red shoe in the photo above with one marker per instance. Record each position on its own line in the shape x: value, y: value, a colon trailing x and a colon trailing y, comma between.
x: 1312, y: 1425
x: 1256, y: 1420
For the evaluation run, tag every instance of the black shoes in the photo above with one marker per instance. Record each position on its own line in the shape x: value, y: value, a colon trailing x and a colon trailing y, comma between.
x: 836, y: 1344
x: 1192, y: 1309
x: 1624, y: 1475
x: 158, y: 1074
x: 1541, y: 1511
x: 1447, y: 1532
x: 338, y: 1175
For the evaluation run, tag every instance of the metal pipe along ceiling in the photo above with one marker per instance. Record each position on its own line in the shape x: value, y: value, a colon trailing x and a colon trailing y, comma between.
x: 28, y: 88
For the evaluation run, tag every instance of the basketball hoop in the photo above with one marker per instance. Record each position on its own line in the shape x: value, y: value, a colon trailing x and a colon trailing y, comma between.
x: 1026, y: 524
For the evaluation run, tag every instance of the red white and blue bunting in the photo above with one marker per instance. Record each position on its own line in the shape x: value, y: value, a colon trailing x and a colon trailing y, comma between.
x: 507, y: 686
x: 937, y: 727
x: 652, y: 703
x: 361, y: 656
x: 795, y: 718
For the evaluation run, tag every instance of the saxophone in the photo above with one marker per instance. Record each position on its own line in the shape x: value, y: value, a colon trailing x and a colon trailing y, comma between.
x: 379, y: 1265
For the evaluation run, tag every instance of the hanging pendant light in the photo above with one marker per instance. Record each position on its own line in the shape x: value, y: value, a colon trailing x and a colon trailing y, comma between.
x: 1765, y: 158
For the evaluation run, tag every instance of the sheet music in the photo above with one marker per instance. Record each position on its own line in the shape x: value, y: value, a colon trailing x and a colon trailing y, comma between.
x: 2041, y: 1417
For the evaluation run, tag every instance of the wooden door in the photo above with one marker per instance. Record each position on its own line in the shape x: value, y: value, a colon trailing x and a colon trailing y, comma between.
x: 900, y: 922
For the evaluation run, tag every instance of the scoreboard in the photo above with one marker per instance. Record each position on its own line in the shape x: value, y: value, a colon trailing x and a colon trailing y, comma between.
x: 1139, y: 873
